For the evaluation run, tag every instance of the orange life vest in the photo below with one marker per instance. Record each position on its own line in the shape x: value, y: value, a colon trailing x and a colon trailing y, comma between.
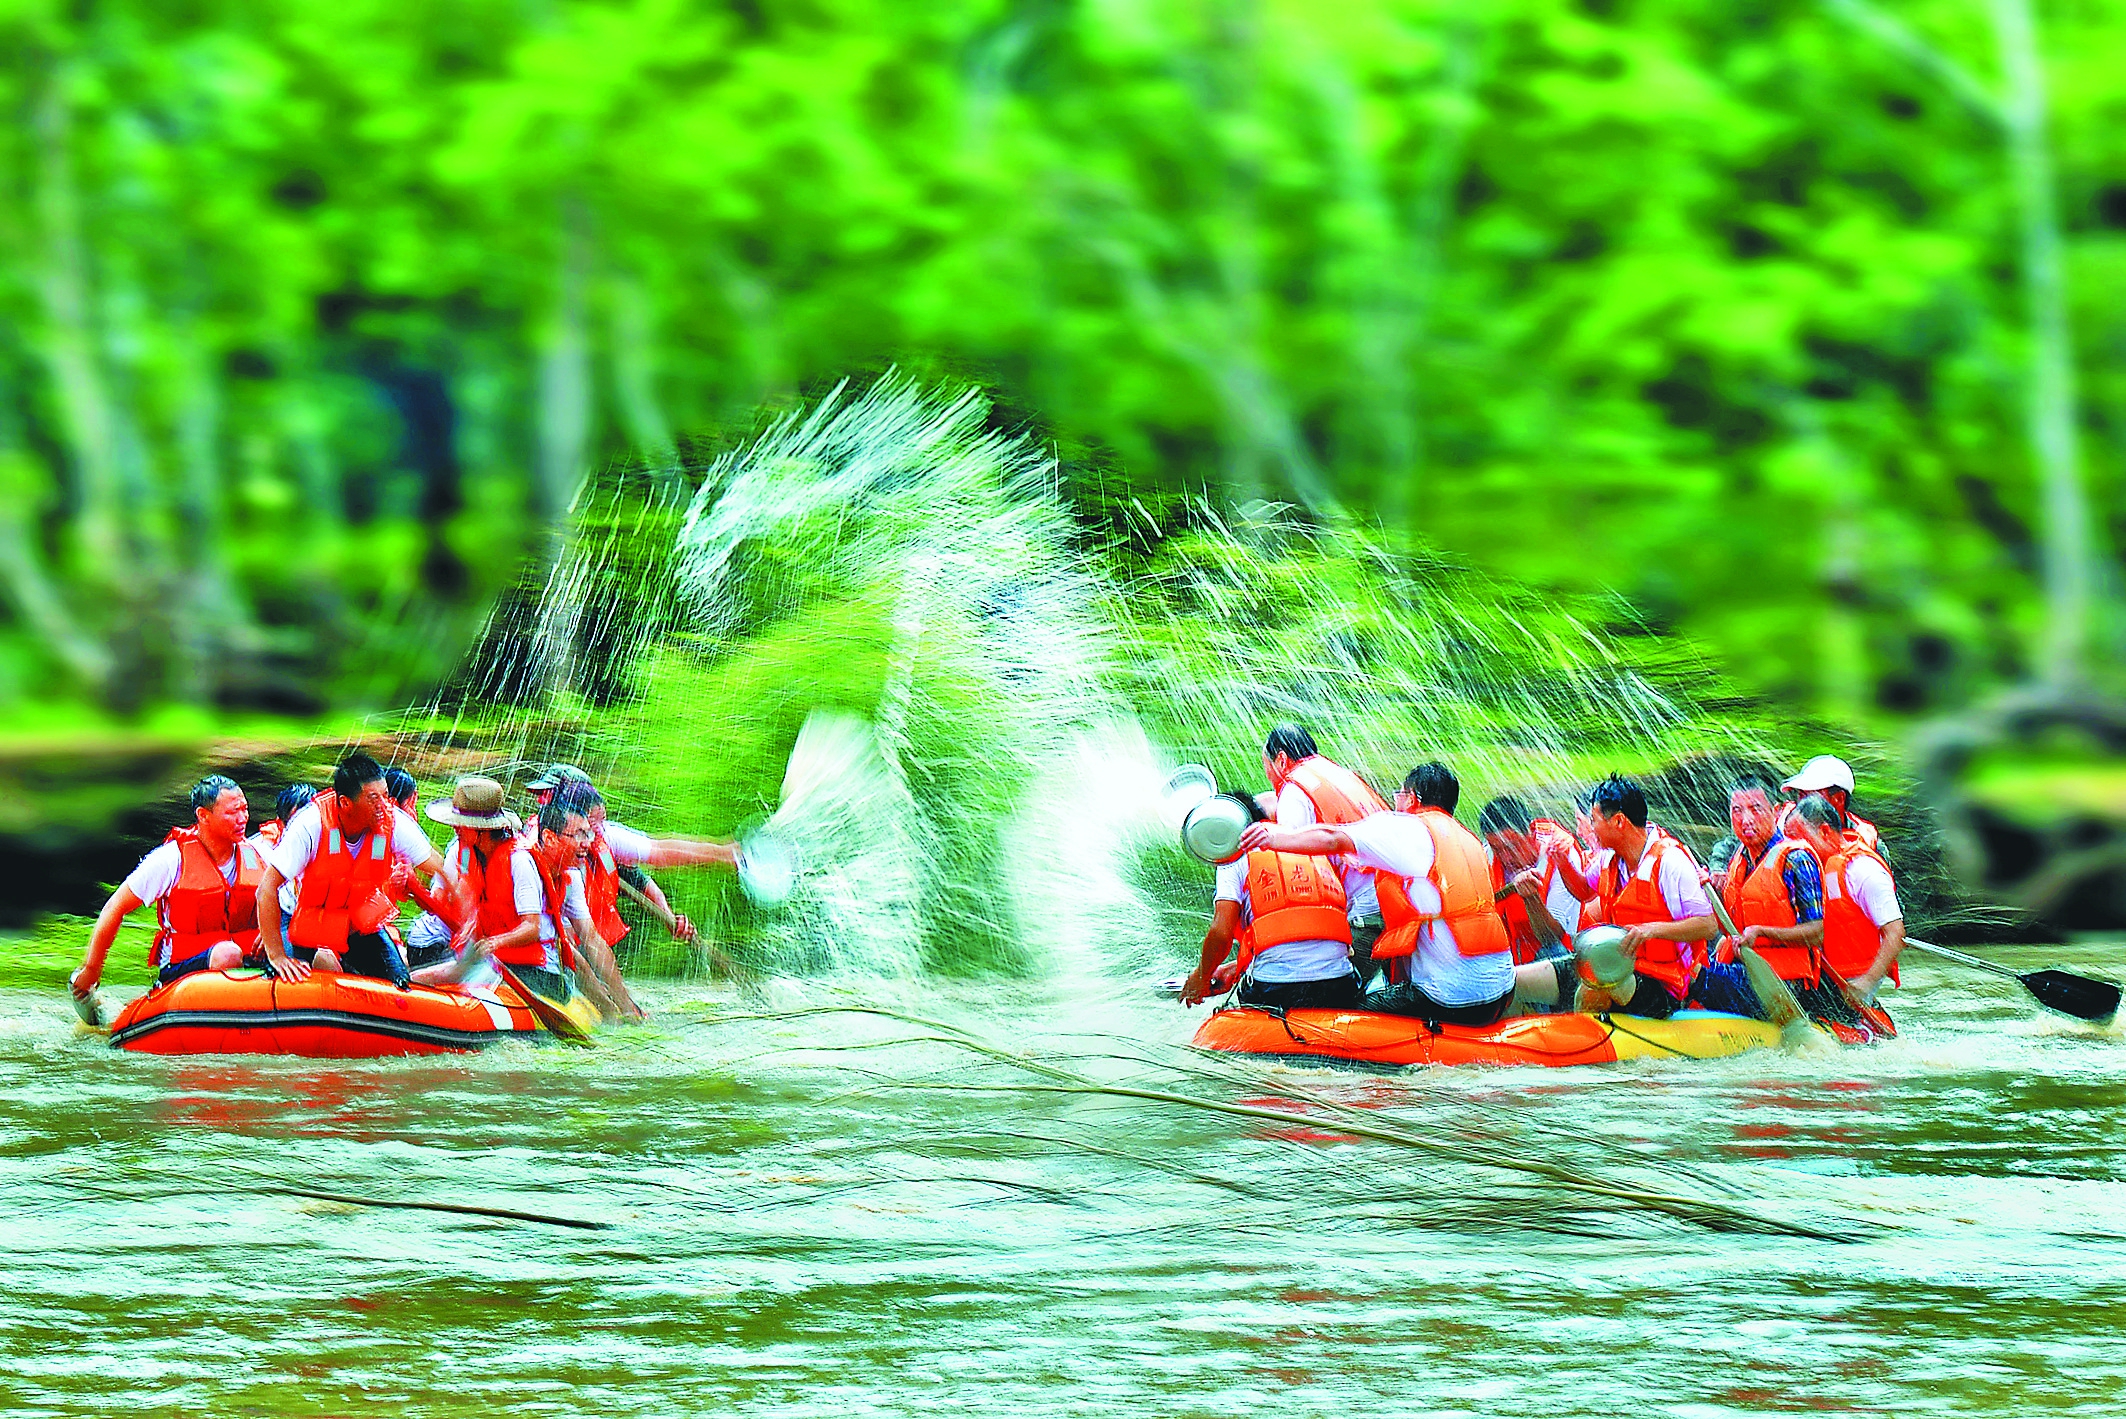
x: 1292, y: 897
x: 490, y: 884
x: 1462, y: 878
x: 1758, y: 897
x: 1850, y: 940
x: 1856, y: 827
x: 203, y: 908
x: 336, y: 882
x: 601, y: 891
x: 1338, y: 795
x: 1638, y: 902
x: 553, y: 856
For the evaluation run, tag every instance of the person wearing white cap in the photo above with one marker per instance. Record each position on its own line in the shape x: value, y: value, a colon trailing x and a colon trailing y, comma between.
x: 1830, y: 776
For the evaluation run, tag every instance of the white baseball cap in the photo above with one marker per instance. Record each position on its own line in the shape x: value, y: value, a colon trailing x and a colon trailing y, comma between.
x: 1823, y: 771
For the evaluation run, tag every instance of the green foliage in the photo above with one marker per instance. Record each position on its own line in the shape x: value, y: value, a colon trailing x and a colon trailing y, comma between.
x: 315, y: 314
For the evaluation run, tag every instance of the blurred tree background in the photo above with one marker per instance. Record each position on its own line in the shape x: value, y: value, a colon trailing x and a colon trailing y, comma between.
x: 1797, y: 324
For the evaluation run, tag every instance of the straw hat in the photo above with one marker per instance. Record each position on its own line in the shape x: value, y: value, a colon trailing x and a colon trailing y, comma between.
x: 475, y: 803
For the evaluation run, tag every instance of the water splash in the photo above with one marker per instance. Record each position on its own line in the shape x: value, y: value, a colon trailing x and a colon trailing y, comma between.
x: 885, y: 606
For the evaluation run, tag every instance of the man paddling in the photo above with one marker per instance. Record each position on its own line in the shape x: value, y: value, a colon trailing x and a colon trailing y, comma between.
x: 1446, y: 949
x: 1312, y: 789
x: 326, y: 897
x: 1773, y: 891
x: 203, y: 881
x: 568, y: 937
x: 1863, y: 923
x: 1649, y: 887
x: 1286, y: 919
x: 620, y: 853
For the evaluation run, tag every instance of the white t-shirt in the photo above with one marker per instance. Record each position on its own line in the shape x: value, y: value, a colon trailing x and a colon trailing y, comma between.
x: 158, y: 872
x: 304, y: 838
x: 573, y: 902
x: 1401, y: 844
x: 1873, y: 891
x: 1292, y: 961
x: 1296, y: 810
x: 630, y: 848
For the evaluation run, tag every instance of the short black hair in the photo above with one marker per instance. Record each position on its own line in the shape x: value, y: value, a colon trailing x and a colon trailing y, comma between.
x: 1291, y: 741
x: 292, y: 800
x: 1504, y: 814
x: 553, y: 818
x: 1754, y: 782
x: 399, y: 784
x: 1618, y: 794
x: 1434, y: 785
x: 579, y: 795
x: 1821, y: 811
x: 208, y: 791
x: 354, y: 771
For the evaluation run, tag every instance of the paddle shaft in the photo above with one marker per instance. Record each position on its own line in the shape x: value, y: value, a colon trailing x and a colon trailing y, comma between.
x: 649, y: 904
x: 1976, y: 963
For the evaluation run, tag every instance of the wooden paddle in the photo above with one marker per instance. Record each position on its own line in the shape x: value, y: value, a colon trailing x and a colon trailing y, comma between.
x: 552, y: 1016
x: 2081, y: 997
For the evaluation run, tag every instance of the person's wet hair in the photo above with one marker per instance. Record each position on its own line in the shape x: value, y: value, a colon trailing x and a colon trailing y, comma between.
x: 1434, y: 785
x: 1754, y: 783
x: 553, y: 818
x: 580, y: 796
x: 1618, y: 794
x: 208, y: 791
x: 354, y: 771
x: 292, y: 800
x: 1815, y: 808
x: 399, y: 784
x: 1504, y: 814
x: 1291, y: 741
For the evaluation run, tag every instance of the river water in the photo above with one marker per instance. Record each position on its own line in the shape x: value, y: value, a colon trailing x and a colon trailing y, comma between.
x: 819, y: 1213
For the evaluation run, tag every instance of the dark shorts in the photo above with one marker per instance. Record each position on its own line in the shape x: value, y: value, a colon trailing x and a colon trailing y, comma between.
x: 1364, y: 932
x: 1650, y: 999
x: 1725, y: 985
x: 368, y: 954
x: 1407, y: 999
x: 190, y: 965
x: 1337, y: 993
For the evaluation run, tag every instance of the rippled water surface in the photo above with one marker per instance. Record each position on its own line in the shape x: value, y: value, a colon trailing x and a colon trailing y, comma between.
x: 823, y: 1213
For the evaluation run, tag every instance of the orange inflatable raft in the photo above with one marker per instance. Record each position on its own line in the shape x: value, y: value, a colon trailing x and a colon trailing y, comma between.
x: 325, y: 1017
x: 1394, y: 1041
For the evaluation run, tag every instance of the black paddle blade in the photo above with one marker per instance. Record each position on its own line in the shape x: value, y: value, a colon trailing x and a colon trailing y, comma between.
x: 2085, y: 999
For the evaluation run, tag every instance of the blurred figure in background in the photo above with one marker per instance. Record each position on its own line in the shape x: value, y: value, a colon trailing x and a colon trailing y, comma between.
x: 1311, y: 789
x: 286, y: 805
x: 1534, y: 857
x: 618, y: 853
x: 203, y: 880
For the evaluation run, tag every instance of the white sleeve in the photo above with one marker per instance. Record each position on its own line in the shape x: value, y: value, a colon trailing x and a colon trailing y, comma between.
x: 1390, y: 842
x: 524, y: 883
x: 407, y: 838
x: 628, y: 845
x: 1873, y: 891
x: 1680, y: 888
x: 1232, y: 881
x: 573, y: 901
x: 298, y: 845
x: 1294, y: 808
x: 157, y: 873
